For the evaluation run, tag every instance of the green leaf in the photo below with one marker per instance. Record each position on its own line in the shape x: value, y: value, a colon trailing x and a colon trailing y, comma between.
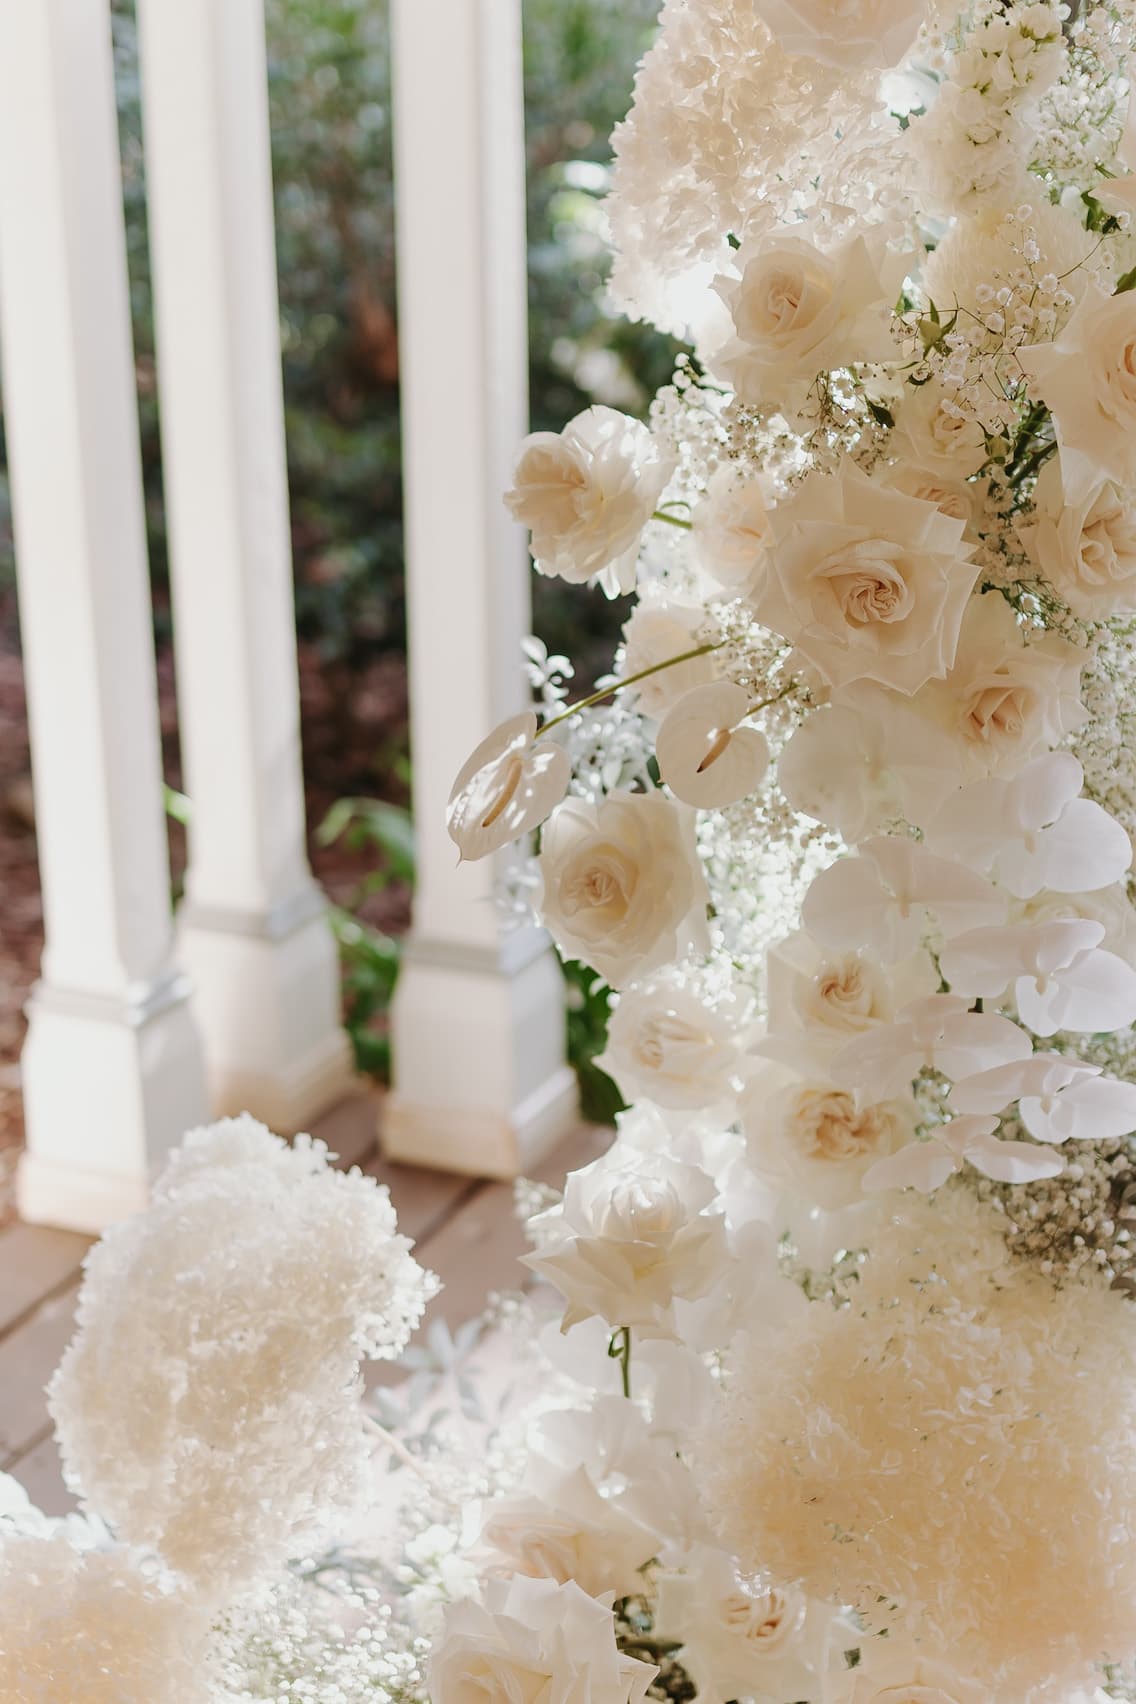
x: 881, y: 415
x: 178, y: 806
x: 1126, y: 282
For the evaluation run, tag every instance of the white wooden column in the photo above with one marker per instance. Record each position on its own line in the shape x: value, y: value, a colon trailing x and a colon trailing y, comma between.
x: 111, y: 1069
x: 480, y: 1083
x: 254, y: 932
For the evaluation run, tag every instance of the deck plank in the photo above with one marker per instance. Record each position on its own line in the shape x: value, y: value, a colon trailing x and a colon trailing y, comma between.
x: 28, y: 1357
x: 35, y: 1262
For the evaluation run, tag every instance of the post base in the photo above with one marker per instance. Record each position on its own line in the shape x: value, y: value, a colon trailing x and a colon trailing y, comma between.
x: 266, y: 999
x: 480, y: 1084
x: 108, y: 1081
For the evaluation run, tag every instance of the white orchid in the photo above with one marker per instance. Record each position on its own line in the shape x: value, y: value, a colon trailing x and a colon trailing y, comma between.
x: 1062, y: 978
x: 506, y: 787
x: 1058, y: 1099
x: 965, y: 1140
x: 706, y: 757
x: 882, y: 899
x: 938, y: 1033
x: 1032, y: 830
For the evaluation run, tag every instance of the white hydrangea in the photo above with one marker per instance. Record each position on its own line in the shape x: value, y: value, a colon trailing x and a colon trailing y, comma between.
x: 96, y: 1627
x: 208, y: 1404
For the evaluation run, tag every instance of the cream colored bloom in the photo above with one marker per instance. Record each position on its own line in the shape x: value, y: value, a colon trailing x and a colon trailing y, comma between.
x: 621, y: 885
x: 874, y: 33
x: 817, y: 1140
x: 533, y: 1642
x: 1087, y: 548
x: 822, y: 998
x: 706, y: 757
x: 730, y: 532
x: 654, y: 632
x: 1011, y: 693
x: 868, y: 583
x: 666, y: 1045
x: 929, y: 434
x: 904, y: 1675
x: 954, y: 496
x: 1088, y: 379
x: 586, y: 494
x: 798, y: 310
x: 506, y: 787
x: 577, y: 1535
x: 632, y: 1236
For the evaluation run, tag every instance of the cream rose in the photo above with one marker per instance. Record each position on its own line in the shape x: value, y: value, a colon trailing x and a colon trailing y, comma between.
x: 798, y: 310
x: 874, y: 33
x: 530, y: 1641
x: 653, y: 633
x: 824, y: 998
x: 817, y: 1140
x: 868, y: 583
x: 667, y: 1045
x: 955, y: 497
x: 582, y: 1536
x: 1009, y: 695
x: 730, y: 532
x: 1088, y: 379
x: 1086, y: 549
x: 620, y: 883
x: 586, y: 494
x: 929, y: 434
x: 632, y: 1236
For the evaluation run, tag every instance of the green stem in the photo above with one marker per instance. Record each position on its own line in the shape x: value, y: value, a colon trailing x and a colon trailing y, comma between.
x: 672, y: 520
x: 619, y: 1349
x: 628, y: 680
x: 765, y: 703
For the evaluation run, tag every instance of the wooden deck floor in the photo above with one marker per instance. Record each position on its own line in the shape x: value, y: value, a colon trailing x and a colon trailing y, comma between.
x: 464, y: 1228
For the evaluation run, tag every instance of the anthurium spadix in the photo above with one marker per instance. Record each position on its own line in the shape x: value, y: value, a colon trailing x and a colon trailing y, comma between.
x: 507, y: 787
x: 1062, y: 978
x: 1033, y: 831
x: 880, y: 899
x: 1059, y: 1099
x: 965, y: 1140
x: 705, y: 757
x: 937, y: 1033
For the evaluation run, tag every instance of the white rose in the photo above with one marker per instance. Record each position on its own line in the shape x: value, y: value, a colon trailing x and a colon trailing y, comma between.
x: 817, y: 1140
x: 653, y: 633
x: 667, y: 1045
x: 929, y: 434
x: 632, y: 1236
x: 578, y: 1536
x: 868, y: 583
x: 532, y: 1641
x: 1086, y: 549
x: 798, y: 311
x: 621, y: 885
x: 730, y: 532
x: 586, y: 494
x: 1009, y: 695
x: 826, y: 997
x: 955, y: 497
x: 1088, y: 379
x: 874, y: 33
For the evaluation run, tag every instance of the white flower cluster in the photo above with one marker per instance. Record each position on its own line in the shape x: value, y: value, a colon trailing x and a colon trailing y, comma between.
x: 881, y: 651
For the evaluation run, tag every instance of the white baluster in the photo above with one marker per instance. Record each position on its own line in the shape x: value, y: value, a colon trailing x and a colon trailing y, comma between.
x: 111, y: 1068
x: 478, y: 1023
x: 253, y: 926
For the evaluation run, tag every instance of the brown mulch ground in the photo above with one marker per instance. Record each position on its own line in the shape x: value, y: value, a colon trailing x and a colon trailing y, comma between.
x: 354, y: 724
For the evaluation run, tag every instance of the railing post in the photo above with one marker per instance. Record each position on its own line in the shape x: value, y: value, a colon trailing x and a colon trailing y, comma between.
x: 478, y: 1023
x: 253, y: 927
x: 111, y: 1068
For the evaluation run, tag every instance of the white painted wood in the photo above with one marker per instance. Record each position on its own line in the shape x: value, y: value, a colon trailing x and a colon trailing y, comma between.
x: 111, y: 1068
x: 478, y: 1021
x: 253, y: 927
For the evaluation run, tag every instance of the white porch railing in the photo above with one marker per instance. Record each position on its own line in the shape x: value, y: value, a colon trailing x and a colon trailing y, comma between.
x: 135, y: 1031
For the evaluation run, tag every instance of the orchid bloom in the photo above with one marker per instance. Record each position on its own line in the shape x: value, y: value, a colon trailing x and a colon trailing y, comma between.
x: 1062, y: 978
x: 965, y: 1140
x: 1059, y: 1099
x: 937, y: 1033
x: 879, y: 899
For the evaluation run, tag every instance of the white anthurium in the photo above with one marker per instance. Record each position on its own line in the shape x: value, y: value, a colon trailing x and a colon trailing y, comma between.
x: 1062, y: 978
x: 880, y: 899
x: 506, y: 788
x: 1059, y: 1099
x: 706, y: 757
x: 937, y: 1033
x: 965, y: 1140
x: 1033, y: 831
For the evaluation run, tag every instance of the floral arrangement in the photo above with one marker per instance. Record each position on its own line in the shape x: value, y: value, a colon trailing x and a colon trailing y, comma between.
x: 838, y: 1401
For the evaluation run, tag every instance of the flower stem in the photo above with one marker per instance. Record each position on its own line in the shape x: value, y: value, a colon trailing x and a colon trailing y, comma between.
x: 765, y: 703
x: 619, y: 1349
x: 671, y: 520
x: 628, y: 680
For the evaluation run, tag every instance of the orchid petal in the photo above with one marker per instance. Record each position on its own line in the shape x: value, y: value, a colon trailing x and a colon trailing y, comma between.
x: 921, y: 1165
